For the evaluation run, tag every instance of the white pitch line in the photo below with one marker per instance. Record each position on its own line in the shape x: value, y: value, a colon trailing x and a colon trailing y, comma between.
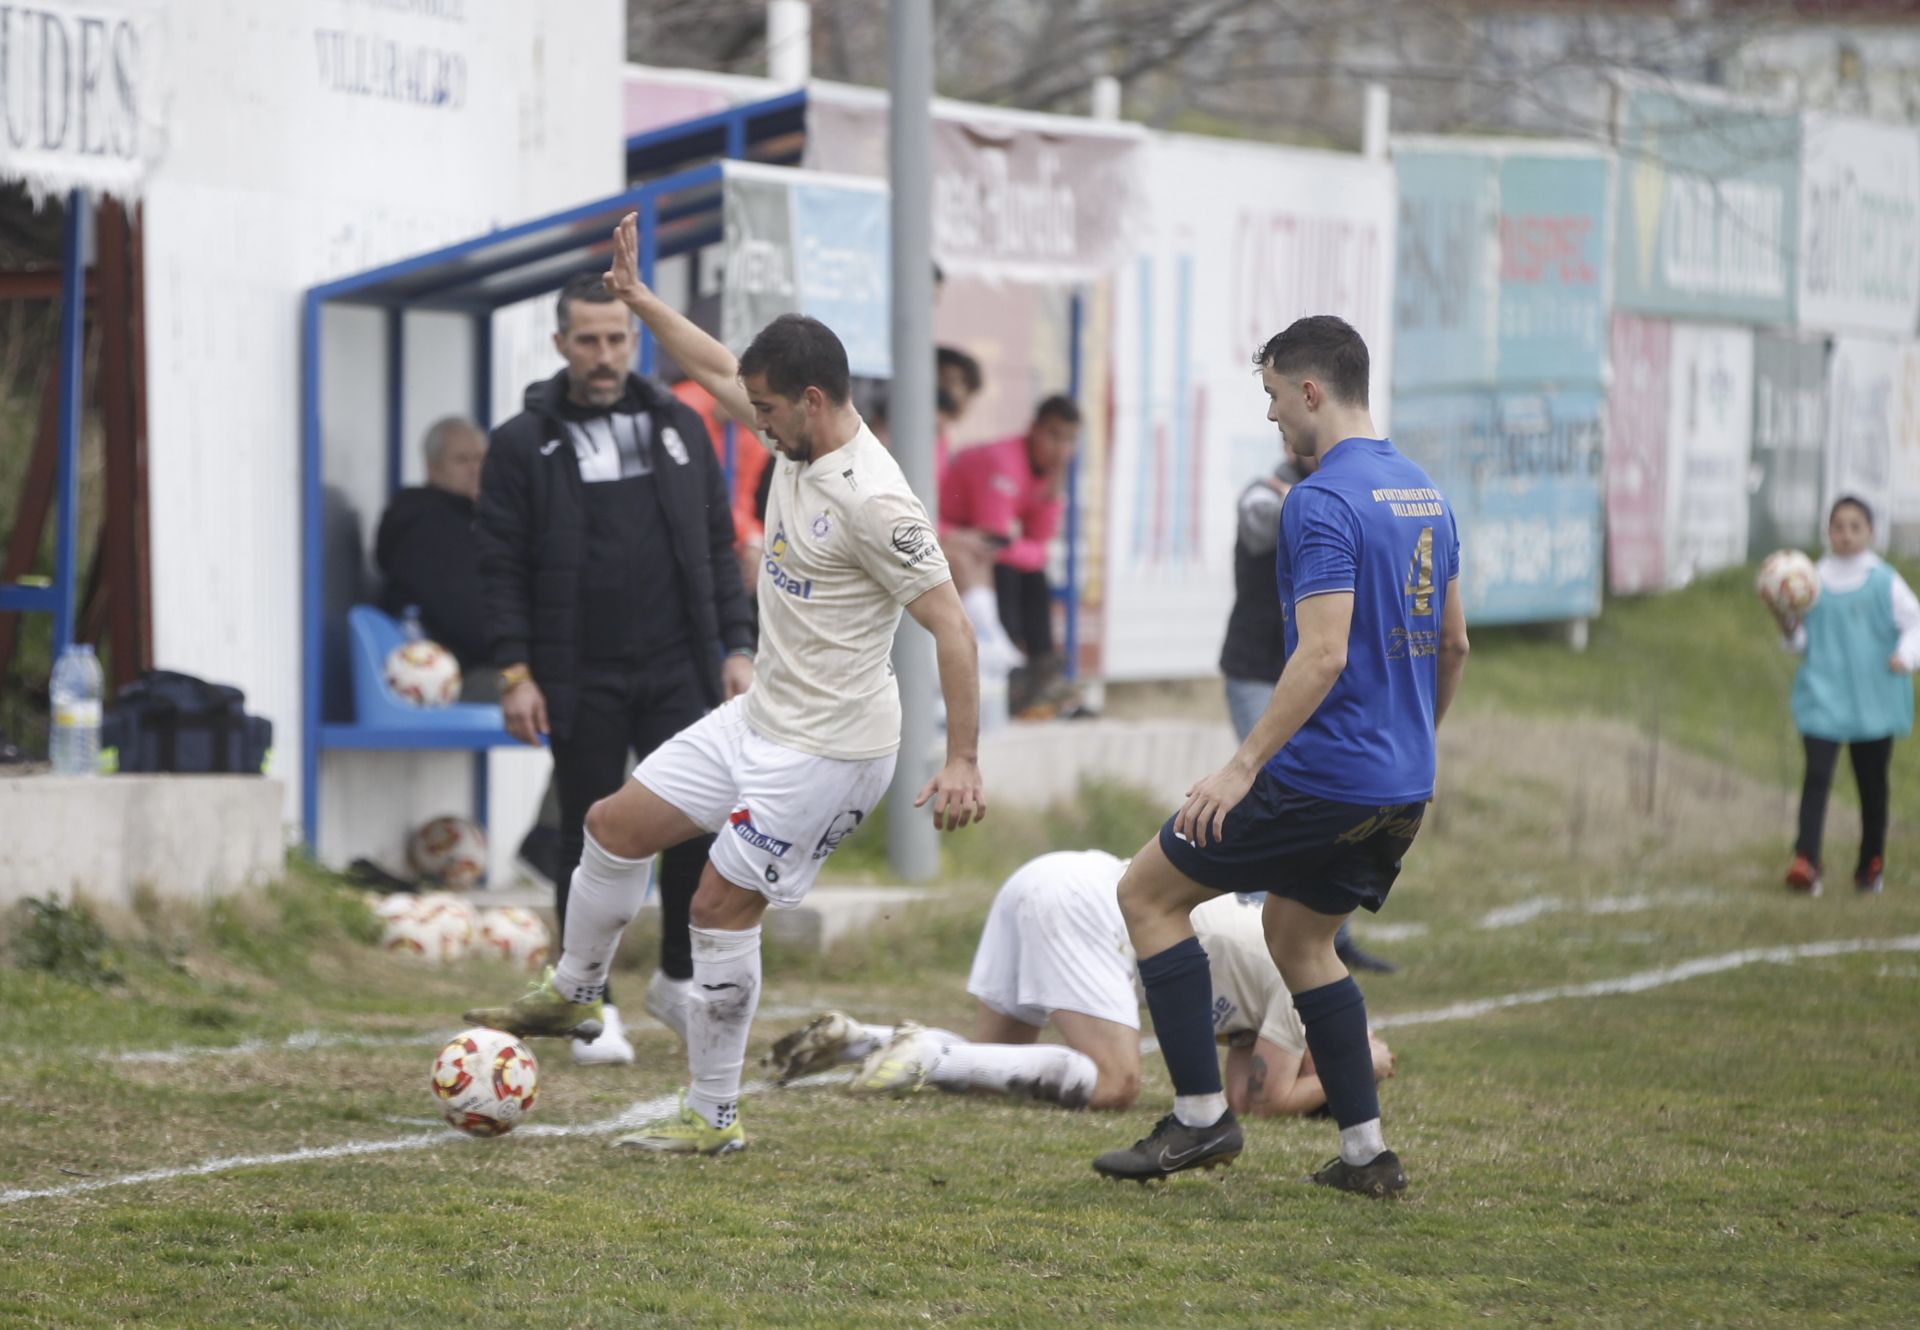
x: 299, y: 1042
x: 648, y: 1109
x: 1646, y: 979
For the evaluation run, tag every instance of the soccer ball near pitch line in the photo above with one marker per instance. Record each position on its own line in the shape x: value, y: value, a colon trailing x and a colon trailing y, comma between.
x: 515, y: 935
x: 423, y: 674
x: 438, y: 928
x: 484, y: 1082
x: 1788, y: 582
x: 451, y: 850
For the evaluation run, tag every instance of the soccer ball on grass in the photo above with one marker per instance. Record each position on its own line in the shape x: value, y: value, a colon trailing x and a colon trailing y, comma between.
x: 515, y: 935
x: 484, y: 1082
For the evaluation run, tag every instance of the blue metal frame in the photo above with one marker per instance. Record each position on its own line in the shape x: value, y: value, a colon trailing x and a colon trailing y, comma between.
x: 1076, y: 313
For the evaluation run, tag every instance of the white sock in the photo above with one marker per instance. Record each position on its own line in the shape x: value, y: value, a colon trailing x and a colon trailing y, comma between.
x: 1362, y: 1143
x: 606, y: 892
x: 1053, y: 1072
x: 720, y: 1007
x: 1199, y: 1110
x: 862, y: 1045
x: 983, y: 612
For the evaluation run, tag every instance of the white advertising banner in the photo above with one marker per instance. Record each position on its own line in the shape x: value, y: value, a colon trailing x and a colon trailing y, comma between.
x: 81, y: 105
x: 1243, y: 241
x: 1709, y: 444
x: 1859, y: 267
x: 1862, y: 416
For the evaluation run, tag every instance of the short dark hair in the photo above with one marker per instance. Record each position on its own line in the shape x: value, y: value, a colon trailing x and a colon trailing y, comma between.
x: 1323, y: 347
x: 1851, y: 501
x: 581, y: 286
x: 1057, y: 407
x: 952, y: 357
x: 797, y: 353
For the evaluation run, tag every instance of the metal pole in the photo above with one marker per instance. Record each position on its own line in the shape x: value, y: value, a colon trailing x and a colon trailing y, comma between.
x: 73, y: 311
x: 913, y: 851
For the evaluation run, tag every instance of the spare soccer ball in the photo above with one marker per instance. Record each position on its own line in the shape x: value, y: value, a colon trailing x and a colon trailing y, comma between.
x: 439, y: 928
x: 516, y: 935
x: 1788, y: 582
x: 393, y: 906
x: 423, y: 674
x: 451, y: 850
x: 484, y: 1082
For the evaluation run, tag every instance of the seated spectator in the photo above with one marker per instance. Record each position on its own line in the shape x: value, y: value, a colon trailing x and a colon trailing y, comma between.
x: 425, y: 552
x: 957, y: 380
x: 1002, y: 502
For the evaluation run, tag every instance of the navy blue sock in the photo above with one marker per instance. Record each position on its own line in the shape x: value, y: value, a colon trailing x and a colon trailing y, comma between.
x: 1179, y: 986
x: 1336, y: 1019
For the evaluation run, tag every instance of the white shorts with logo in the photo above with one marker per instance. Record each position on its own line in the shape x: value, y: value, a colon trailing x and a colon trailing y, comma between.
x: 1054, y: 941
x: 778, y: 812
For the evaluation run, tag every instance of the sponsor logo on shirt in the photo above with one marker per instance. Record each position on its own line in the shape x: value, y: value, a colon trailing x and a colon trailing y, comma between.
x: 842, y: 826
x: 800, y: 588
x: 1222, y: 1013
x: 1006, y: 485
x: 913, y: 542
x: 821, y: 526
x: 742, y: 820
x: 676, y: 448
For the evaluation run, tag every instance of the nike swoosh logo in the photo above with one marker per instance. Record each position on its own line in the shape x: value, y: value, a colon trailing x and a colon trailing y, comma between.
x: 718, y: 988
x: 1170, y: 1160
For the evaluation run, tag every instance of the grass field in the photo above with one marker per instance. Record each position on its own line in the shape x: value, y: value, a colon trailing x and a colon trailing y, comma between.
x: 1731, y: 1145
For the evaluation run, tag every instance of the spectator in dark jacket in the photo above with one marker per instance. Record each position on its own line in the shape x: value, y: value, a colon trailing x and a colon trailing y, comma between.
x: 614, y: 604
x: 426, y: 555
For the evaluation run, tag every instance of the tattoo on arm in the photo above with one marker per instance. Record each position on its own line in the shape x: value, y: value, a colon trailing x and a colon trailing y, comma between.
x: 1257, y: 1079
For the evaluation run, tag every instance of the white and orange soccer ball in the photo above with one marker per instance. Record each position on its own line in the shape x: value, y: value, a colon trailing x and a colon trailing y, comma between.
x: 423, y: 674
x: 439, y: 928
x: 515, y: 935
x: 484, y: 1082
x: 1788, y: 582
x: 450, y: 850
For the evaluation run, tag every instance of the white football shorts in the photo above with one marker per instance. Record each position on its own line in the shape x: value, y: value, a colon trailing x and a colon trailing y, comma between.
x: 1054, y: 941
x: 778, y: 813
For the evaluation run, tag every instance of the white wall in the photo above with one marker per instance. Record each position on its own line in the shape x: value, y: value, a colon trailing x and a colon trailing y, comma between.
x: 287, y: 166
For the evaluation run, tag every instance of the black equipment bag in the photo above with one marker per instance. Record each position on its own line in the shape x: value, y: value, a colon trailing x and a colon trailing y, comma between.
x: 165, y: 721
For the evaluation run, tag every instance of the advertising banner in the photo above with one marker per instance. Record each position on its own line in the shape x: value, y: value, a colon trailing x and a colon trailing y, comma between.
x: 1862, y: 418
x: 1859, y: 267
x: 1709, y: 445
x: 1448, y: 250
x: 1637, y: 454
x: 796, y: 243
x: 1708, y: 202
x: 1789, y: 433
x: 1552, y: 325
x: 1246, y: 240
x: 81, y: 95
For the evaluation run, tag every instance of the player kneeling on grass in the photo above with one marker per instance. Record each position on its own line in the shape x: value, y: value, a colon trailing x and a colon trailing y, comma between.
x: 1054, y: 951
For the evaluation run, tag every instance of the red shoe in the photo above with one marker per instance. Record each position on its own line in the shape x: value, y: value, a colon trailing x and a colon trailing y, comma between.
x: 1869, y: 882
x: 1803, y: 877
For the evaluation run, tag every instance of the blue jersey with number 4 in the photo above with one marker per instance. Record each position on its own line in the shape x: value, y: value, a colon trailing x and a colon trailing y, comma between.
x: 1369, y: 521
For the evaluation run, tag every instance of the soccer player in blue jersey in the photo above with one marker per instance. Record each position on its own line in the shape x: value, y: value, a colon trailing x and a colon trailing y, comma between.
x: 1323, y: 798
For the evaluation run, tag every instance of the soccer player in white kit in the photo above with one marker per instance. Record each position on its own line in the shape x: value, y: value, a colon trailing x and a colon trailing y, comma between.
x: 789, y: 769
x: 1054, y: 951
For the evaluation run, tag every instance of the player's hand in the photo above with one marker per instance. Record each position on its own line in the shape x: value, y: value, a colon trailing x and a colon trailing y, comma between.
x: 1385, y: 1060
x: 736, y: 676
x: 958, y: 795
x: 622, y: 280
x: 1202, y: 816
x: 524, y: 709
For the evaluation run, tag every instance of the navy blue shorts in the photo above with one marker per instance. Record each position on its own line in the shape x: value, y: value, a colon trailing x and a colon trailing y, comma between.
x: 1331, y: 857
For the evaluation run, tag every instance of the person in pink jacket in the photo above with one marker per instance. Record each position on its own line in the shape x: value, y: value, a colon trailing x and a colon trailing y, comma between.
x: 1001, y: 502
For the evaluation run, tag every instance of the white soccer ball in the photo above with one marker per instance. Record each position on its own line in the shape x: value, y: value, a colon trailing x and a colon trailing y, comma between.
x: 484, y: 1082
x: 515, y: 935
x: 438, y: 929
x: 1788, y: 582
x: 394, y: 905
x: 450, y: 850
x: 423, y: 674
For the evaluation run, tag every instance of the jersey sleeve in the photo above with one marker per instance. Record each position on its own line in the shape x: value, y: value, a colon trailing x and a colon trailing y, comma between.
x: 895, y: 543
x: 1453, y: 544
x: 1323, y: 541
x: 1281, y: 1025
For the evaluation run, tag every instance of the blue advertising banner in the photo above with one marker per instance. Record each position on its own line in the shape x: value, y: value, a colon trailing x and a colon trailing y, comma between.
x: 843, y: 243
x: 1444, y: 304
x: 1523, y: 471
x: 1708, y: 218
x: 1553, y: 259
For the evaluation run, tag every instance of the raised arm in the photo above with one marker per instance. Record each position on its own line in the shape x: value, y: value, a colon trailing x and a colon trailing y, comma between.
x: 705, y: 360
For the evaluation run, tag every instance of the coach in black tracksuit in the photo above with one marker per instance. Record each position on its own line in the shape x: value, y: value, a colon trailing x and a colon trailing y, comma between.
x: 614, y: 602
x: 1255, y: 651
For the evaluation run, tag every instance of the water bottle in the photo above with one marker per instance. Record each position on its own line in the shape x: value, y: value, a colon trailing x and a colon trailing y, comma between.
x: 410, y: 629
x: 76, y: 684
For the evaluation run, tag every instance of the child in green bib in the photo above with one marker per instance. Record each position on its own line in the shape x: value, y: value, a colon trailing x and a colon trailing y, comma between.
x: 1861, y: 641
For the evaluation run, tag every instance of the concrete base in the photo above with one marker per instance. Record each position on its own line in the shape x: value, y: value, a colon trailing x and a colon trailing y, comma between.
x: 1037, y: 763
x: 187, y: 838
x: 827, y: 914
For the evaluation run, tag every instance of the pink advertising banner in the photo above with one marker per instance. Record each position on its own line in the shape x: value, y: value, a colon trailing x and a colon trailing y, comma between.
x: 1637, y: 414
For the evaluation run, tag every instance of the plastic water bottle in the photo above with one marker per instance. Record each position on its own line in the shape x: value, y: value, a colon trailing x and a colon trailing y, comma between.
x: 410, y: 629
x: 75, y: 687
